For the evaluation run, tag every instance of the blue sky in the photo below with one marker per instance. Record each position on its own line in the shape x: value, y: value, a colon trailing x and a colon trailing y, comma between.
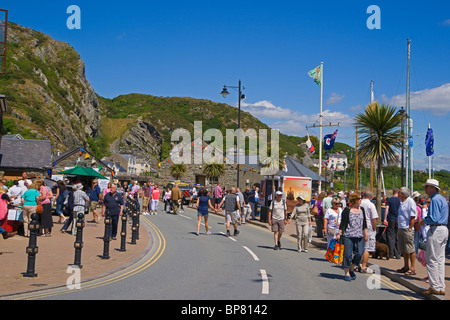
x: 193, y: 48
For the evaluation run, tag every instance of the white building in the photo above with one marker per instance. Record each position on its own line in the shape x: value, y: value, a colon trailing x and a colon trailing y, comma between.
x: 337, y: 161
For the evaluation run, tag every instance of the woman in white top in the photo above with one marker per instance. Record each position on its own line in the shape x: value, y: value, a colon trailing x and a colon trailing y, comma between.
x: 332, y: 220
x: 302, y: 218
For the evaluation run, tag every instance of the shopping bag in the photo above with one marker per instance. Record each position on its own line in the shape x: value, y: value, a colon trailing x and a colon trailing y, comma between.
x: 330, y: 251
x: 421, y: 258
x: 338, y: 253
x: 39, y: 209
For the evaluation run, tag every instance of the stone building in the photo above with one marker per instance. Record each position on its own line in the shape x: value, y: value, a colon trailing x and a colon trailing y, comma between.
x: 249, y: 173
x: 23, y: 155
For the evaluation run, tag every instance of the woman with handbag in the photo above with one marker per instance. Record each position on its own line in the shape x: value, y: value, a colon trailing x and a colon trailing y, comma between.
x: 4, y: 201
x: 353, y: 230
x: 46, y: 219
x: 332, y: 220
x: 302, y: 218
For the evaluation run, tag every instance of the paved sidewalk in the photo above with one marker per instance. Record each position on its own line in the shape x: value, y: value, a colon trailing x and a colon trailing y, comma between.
x: 57, y: 252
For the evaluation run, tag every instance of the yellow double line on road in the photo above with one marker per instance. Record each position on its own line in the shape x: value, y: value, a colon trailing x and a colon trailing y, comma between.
x: 95, y: 284
x: 390, y: 285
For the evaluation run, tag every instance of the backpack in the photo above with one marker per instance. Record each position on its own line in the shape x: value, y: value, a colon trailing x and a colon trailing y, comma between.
x: 231, y: 202
x: 273, y: 203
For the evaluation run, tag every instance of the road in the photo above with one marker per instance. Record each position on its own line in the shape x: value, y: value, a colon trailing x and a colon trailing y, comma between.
x: 183, y: 266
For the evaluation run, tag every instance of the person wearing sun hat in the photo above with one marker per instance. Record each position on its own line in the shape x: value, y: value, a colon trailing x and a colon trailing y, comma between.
x: 301, y: 215
x: 437, y: 235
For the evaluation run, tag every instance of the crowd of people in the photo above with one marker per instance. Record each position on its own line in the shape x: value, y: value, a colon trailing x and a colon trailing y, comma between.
x: 409, y: 222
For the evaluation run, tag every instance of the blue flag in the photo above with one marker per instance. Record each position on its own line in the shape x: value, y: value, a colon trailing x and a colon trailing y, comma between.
x: 411, y: 141
x: 429, y: 143
x: 329, y: 141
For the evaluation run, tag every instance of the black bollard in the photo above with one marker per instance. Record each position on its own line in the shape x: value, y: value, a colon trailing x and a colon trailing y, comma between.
x: 107, y: 237
x: 32, y: 248
x: 79, y: 240
x: 138, y: 224
x: 123, y: 234
x: 134, y: 228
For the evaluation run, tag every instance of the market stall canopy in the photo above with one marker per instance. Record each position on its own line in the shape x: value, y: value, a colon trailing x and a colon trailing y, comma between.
x: 84, y: 172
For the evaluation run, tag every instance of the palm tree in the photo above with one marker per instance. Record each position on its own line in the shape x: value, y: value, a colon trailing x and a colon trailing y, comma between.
x: 213, y: 170
x: 177, y: 170
x: 381, y: 137
x: 272, y: 164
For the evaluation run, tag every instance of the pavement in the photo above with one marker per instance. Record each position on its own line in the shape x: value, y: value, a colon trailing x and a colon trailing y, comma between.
x: 56, y: 254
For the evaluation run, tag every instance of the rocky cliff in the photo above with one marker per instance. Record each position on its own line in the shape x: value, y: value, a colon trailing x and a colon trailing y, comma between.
x: 47, y: 90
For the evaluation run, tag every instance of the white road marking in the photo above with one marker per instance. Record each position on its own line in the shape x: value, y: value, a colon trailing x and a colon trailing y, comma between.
x: 265, y: 282
x: 252, y: 253
x: 228, y: 237
x: 181, y: 215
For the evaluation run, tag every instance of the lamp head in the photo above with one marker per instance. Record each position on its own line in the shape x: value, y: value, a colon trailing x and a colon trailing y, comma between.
x: 225, y: 92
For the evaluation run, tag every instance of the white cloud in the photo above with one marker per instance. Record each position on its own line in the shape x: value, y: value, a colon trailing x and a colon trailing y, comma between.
x: 266, y: 109
x: 439, y: 162
x: 356, y: 108
x: 334, y: 98
x: 445, y: 22
x: 434, y: 100
x: 293, y: 122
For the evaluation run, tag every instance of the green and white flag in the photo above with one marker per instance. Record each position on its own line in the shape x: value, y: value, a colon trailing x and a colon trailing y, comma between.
x: 316, y: 75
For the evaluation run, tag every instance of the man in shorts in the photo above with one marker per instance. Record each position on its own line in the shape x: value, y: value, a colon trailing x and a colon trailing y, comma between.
x: 371, y: 219
x: 94, y: 194
x: 233, y: 210
x: 146, y: 198
x: 407, y: 213
x: 278, y: 218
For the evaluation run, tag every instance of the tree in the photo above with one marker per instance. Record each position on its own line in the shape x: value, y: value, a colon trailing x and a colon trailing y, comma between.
x: 381, y: 137
x: 213, y: 170
x: 271, y: 165
x: 177, y: 170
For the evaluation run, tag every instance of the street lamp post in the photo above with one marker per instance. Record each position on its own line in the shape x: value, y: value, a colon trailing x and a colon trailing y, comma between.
x: 225, y: 94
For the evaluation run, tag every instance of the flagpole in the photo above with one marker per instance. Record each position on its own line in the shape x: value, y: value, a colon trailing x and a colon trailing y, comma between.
x: 429, y: 159
x: 408, y: 111
x: 321, y: 132
x: 412, y: 160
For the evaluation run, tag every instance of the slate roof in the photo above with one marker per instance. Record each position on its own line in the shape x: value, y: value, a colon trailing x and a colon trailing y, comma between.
x: 296, y: 169
x: 67, y: 154
x: 25, y: 154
